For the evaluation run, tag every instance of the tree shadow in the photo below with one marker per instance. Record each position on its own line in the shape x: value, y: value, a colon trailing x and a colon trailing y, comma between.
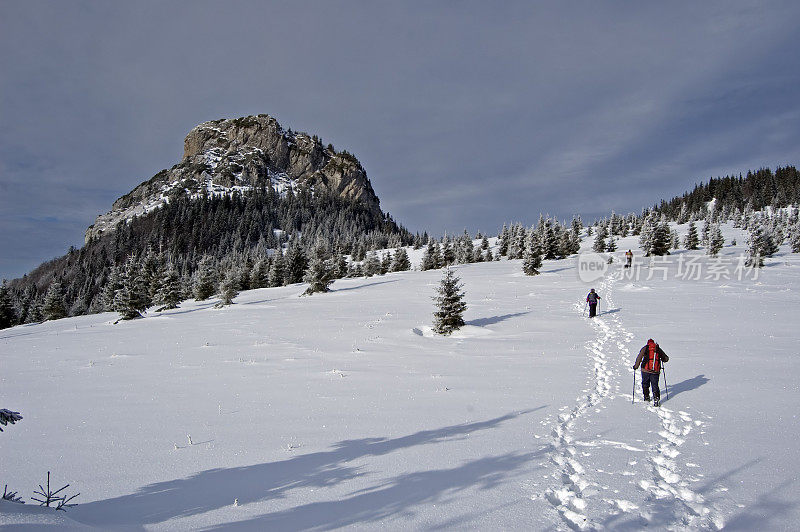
x: 216, y: 488
x: 483, y: 322
x: 687, y: 385
x: 556, y: 270
x: 762, y: 514
x: 396, y: 496
x: 364, y: 285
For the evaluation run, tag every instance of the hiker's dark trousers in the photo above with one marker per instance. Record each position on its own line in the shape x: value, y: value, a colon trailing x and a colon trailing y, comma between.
x: 592, y: 310
x: 648, y: 380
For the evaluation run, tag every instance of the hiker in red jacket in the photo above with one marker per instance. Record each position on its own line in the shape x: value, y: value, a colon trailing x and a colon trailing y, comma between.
x: 651, y: 356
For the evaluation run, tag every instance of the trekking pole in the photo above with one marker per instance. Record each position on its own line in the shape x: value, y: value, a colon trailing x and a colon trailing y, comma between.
x: 666, y: 387
x: 585, y: 306
x: 633, y: 392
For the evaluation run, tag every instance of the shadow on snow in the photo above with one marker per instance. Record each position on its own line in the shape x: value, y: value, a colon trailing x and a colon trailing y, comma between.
x: 217, y: 488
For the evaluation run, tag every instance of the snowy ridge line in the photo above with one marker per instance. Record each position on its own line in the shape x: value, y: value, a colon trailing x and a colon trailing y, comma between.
x: 571, y: 497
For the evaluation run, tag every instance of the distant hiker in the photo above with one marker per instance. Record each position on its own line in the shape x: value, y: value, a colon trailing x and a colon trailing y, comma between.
x: 592, y: 299
x: 651, y: 356
x: 628, y: 258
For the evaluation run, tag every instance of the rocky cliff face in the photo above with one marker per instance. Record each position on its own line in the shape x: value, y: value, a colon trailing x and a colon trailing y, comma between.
x: 242, y: 154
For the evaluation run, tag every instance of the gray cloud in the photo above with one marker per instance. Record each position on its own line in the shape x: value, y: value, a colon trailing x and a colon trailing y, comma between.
x: 464, y: 114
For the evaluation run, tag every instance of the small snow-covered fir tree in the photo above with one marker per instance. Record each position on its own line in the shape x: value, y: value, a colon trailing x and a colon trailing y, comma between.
x: 715, y: 241
x: 532, y: 261
x: 400, y: 263
x: 319, y: 276
x: 448, y: 254
x: 54, y: 307
x: 131, y: 300
x: 169, y: 293
x: 692, y: 240
x: 431, y: 259
x: 599, y: 245
x: 372, y: 265
x: 794, y: 237
x: 276, y: 271
x: 646, y: 234
x: 228, y: 288
x: 296, y: 263
x: 450, y: 305
x: 8, y: 316
x: 705, y: 238
x: 611, y: 245
x: 205, y: 283
x: 660, y: 239
x: 259, y: 275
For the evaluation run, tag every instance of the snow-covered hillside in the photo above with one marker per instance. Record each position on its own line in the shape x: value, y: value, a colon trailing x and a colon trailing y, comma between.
x: 284, y: 412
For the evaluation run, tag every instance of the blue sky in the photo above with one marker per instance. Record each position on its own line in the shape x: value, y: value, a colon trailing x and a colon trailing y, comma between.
x: 464, y: 114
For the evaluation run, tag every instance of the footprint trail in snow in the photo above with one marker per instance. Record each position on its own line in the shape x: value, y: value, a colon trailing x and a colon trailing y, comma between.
x: 594, y: 477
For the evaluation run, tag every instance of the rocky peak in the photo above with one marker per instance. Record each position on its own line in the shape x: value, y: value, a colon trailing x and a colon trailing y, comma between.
x: 241, y: 154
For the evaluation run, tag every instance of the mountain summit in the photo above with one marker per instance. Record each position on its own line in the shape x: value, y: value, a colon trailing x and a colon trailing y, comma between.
x: 242, y: 154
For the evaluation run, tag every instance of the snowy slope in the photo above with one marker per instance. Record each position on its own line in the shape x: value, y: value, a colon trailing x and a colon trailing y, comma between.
x: 340, y: 410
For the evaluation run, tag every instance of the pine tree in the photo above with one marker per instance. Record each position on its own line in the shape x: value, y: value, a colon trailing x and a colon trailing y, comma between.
x: 716, y: 241
x: 228, y: 288
x: 448, y: 255
x: 794, y: 237
x: 113, y: 284
x: 661, y: 239
x: 550, y: 243
x: 276, y: 270
x: 692, y: 240
x: 319, y: 276
x: 599, y: 245
x: 340, y: 268
x: 8, y: 316
x: 611, y: 245
x: 296, y: 263
x: 54, y: 307
x: 169, y: 293
x: 131, y: 300
x: 205, y: 283
x: 259, y: 275
x: 431, y: 259
x: 372, y: 266
x: 401, y: 262
x: 386, y: 263
x: 450, y: 305
x: 532, y: 260
x: 646, y: 234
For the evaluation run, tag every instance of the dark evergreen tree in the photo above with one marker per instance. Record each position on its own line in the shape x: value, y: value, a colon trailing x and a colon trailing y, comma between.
x: 431, y: 259
x: 448, y: 255
x: 372, y: 266
x: 319, y: 276
x: 599, y: 245
x: 400, y: 262
x: 54, y: 307
x: 132, y: 299
x: 716, y: 241
x: 532, y: 260
x: 692, y: 240
x: 450, y: 305
x: 169, y: 293
x: 296, y: 263
x: 794, y: 237
x: 277, y: 274
x: 228, y: 288
x: 8, y: 316
x: 205, y: 281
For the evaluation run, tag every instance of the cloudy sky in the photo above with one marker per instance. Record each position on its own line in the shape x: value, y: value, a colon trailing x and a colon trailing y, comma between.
x: 464, y: 114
